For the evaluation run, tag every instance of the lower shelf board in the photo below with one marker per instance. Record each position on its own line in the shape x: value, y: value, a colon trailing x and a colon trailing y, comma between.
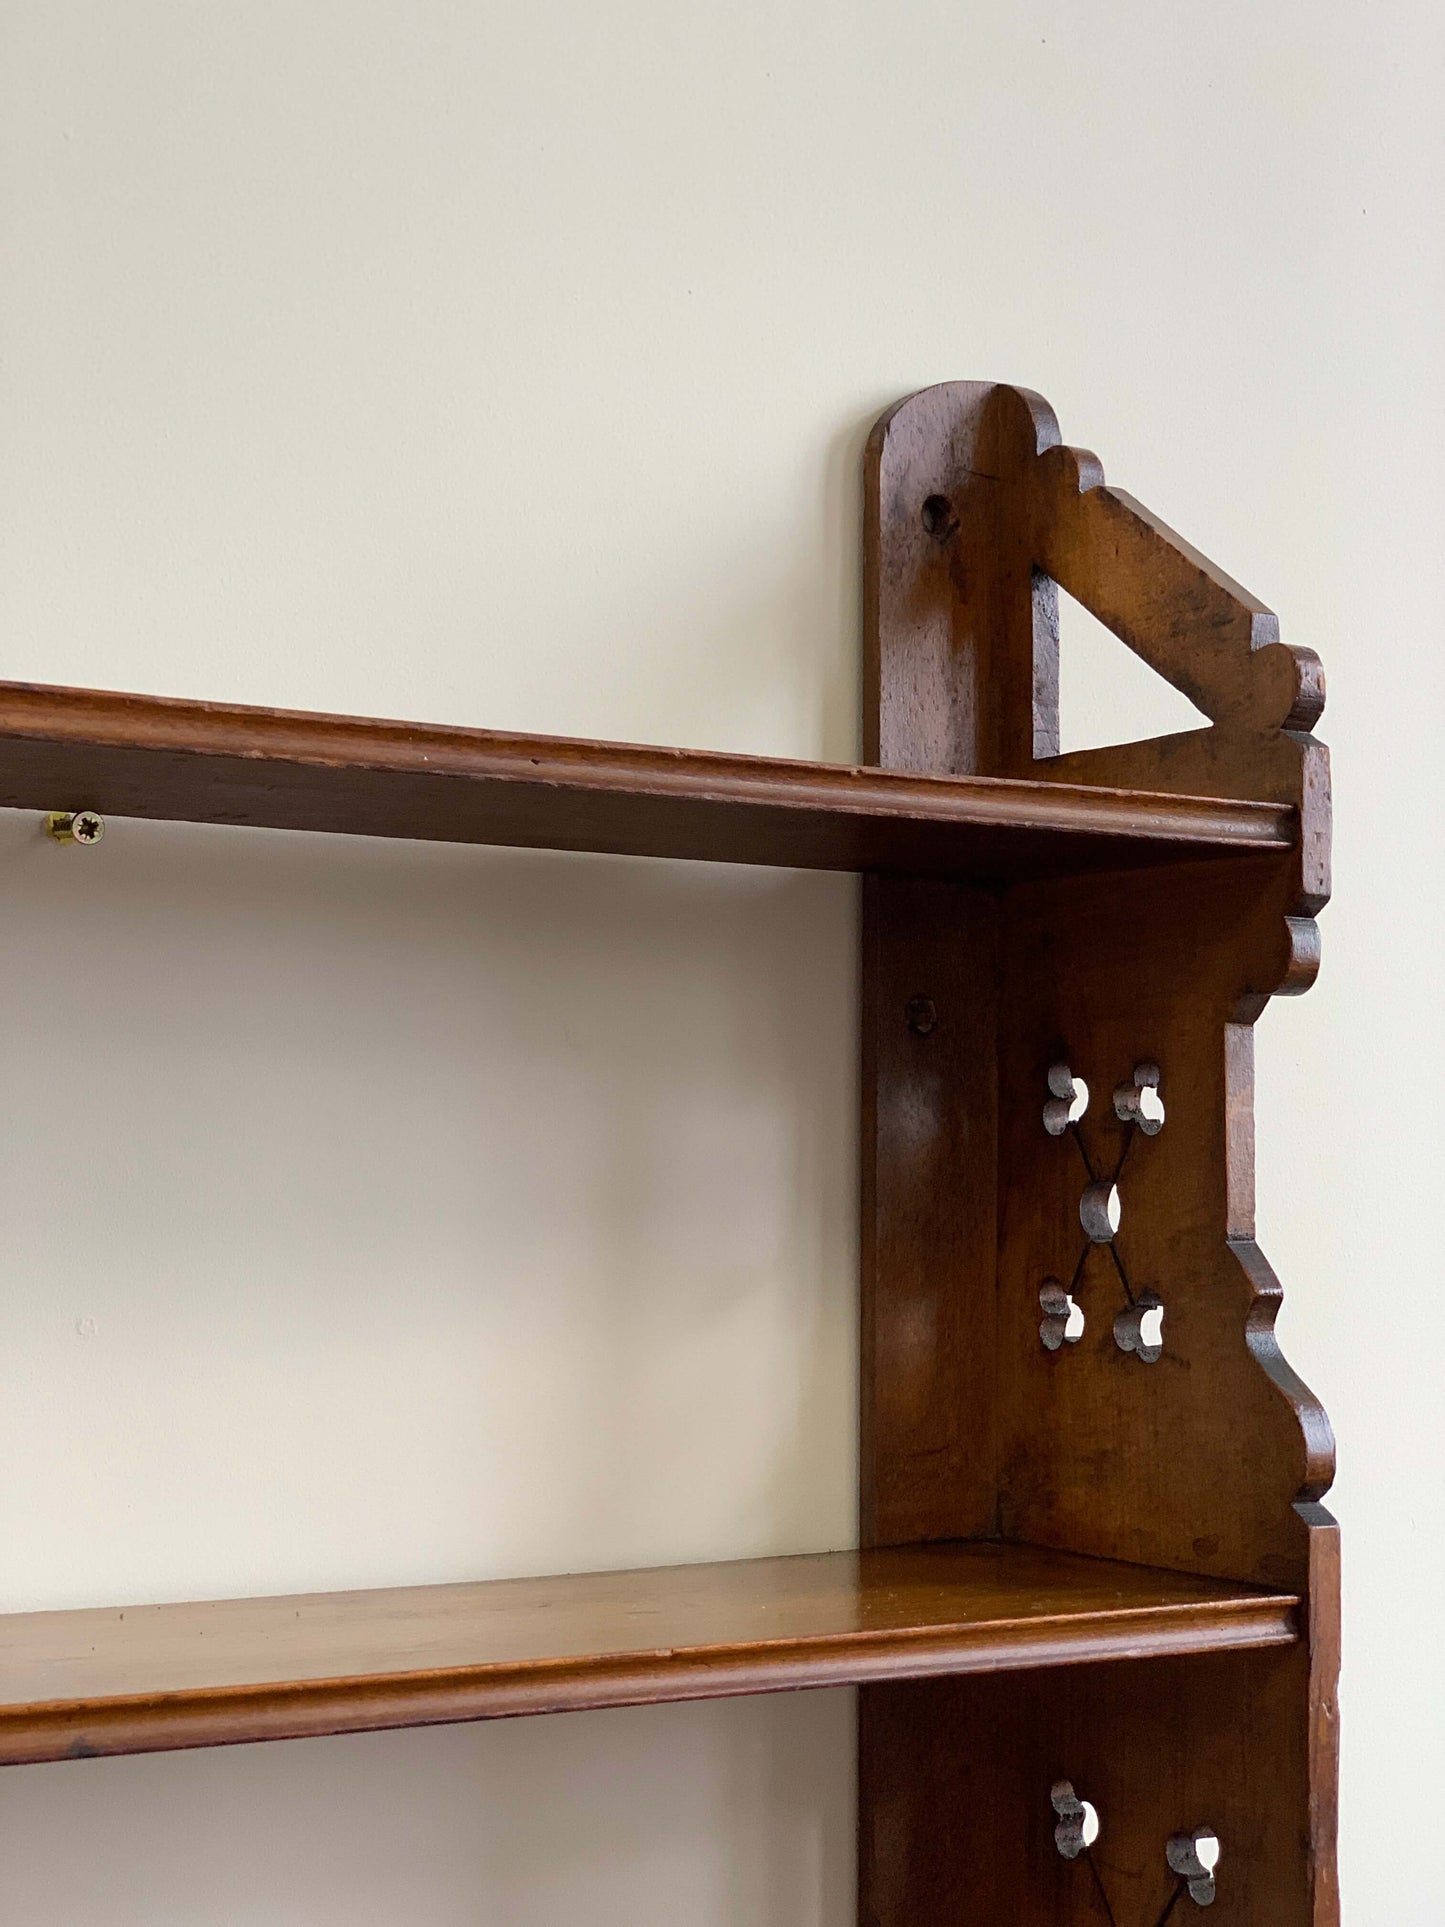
x: 141, y: 1679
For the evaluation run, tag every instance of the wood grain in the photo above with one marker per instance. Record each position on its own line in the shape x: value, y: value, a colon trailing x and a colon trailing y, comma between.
x: 148, y: 756
x: 141, y: 1678
x: 1196, y: 1461
x: 1210, y: 1456
x: 957, y: 1824
x: 929, y: 1201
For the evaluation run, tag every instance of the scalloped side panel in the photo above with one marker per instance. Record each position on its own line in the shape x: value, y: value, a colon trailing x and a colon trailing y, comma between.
x: 1195, y: 1446
x: 1198, y: 1458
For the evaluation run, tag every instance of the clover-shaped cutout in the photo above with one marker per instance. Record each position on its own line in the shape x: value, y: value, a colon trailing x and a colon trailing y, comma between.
x: 1068, y: 1100
x: 1078, y: 1823
x: 1063, y: 1320
x: 1194, y: 1856
x: 1139, y: 1328
x: 1139, y: 1102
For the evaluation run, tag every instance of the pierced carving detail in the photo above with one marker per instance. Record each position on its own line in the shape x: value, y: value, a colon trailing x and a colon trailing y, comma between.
x: 1192, y: 1855
x: 1063, y: 1320
x: 1100, y: 1211
x: 1139, y: 1326
x: 1072, y: 1835
x: 1138, y: 1102
x: 1068, y: 1100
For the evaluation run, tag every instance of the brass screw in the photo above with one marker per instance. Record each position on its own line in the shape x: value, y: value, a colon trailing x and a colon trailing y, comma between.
x: 75, y: 826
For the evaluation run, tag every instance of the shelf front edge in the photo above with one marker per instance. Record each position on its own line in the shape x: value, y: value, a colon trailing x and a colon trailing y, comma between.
x: 169, y: 759
x: 90, y: 1729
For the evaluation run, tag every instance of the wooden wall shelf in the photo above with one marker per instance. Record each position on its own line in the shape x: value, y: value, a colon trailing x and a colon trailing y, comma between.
x: 142, y: 1678
x: 151, y: 756
x: 1080, y: 1440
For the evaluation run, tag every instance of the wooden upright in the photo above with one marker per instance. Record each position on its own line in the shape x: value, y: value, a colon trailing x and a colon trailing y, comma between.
x: 1043, y: 1362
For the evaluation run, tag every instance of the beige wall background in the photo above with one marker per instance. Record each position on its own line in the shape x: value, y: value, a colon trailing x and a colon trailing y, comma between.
x: 378, y: 1214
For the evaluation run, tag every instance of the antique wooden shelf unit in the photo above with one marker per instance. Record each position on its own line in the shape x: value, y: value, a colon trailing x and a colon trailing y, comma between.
x: 1096, y: 1579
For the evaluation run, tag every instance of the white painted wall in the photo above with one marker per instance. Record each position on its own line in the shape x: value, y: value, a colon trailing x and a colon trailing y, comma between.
x: 445, y: 1212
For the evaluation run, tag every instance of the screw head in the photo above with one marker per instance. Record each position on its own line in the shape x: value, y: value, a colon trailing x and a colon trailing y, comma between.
x: 76, y: 826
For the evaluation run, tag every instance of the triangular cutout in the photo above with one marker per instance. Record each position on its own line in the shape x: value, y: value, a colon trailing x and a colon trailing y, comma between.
x: 1106, y: 694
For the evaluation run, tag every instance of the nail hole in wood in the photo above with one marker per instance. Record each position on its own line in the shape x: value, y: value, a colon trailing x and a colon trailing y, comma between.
x: 922, y: 1015
x: 939, y: 518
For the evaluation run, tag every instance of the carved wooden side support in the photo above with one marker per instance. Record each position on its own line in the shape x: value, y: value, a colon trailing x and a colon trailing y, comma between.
x: 987, y: 1236
x: 957, y: 1822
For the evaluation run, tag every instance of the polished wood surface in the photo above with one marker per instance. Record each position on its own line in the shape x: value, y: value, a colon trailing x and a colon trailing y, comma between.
x: 929, y: 1358
x: 1213, y: 1740
x: 1211, y: 1456
x: 150, y: 756
x: 140, y: 1678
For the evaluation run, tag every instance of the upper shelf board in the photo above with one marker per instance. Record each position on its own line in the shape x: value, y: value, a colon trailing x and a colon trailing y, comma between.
x: 141, y: 1678
x: 193, y: 762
